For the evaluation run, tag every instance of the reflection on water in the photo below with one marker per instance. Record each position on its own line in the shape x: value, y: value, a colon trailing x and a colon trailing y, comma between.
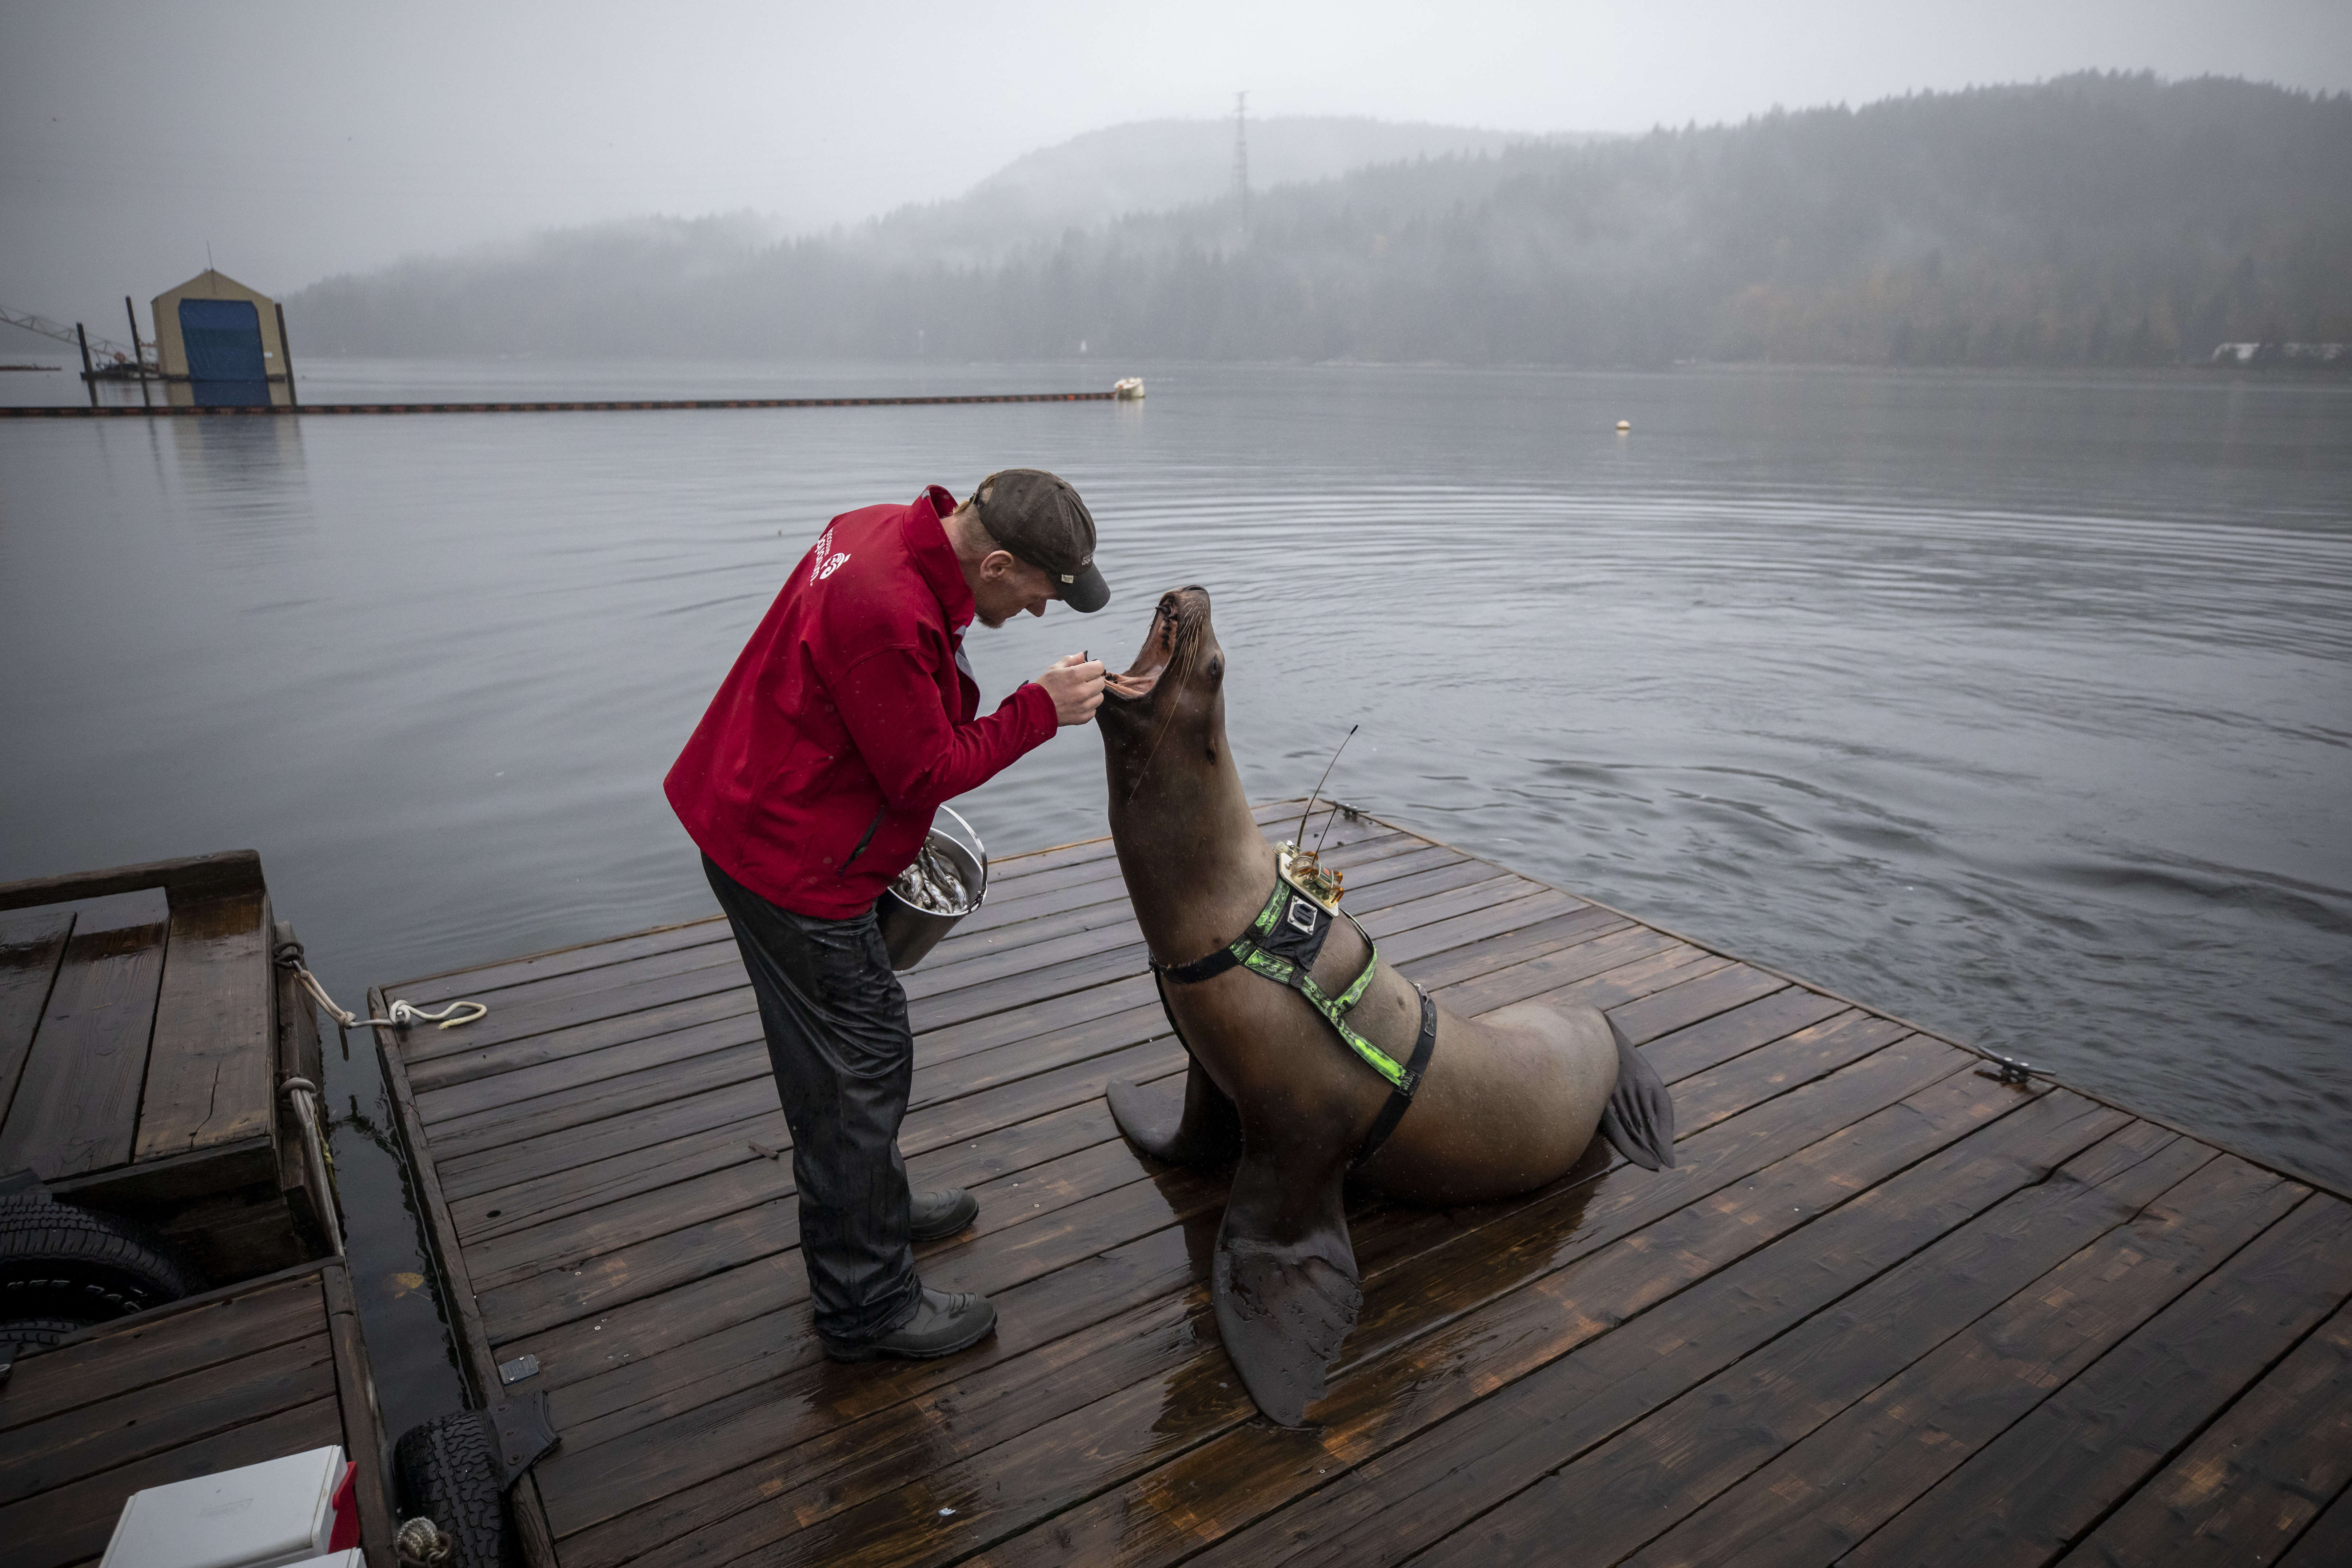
x: 2016, y: 706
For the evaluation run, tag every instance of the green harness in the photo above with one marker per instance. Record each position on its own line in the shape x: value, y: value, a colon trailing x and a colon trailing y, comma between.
x: 1282, y: 945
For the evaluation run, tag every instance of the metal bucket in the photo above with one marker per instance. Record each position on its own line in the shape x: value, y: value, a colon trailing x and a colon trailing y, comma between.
x: 910, y: 931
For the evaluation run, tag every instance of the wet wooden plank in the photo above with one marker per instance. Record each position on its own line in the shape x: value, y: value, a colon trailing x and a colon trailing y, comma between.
x: 1637, y: 1483
x: 1028, y: 1219
x: 71, y: 1525
x: 193, y: 879
x: 615, y: 1405
x: 2253, y: 1481
x: 1517, y: 1356
x: 1472, y: 959
x: 2022, y: 1498
x: 43, y: 1456
x: 1410, y: 1292
x: 1979, y: 1151
x: 836, y: 1470
x: 717, y: 1056
x: 645, y: 1153
x: 2329, y: 1542
x: 1739, y: 1031
x: 77, y: 1103
x: 364, y: 1434
x: 685, y: 949
x: 1463, y: 879
x: 715, y: 1087
x: 472, y: 1082
x: 580, y: 1245
x: 209, y: 1073
x: 31, y: 947
x: 1846, y: 1185
x: 486, y: 981
x: 1703, y: 997
x: 679, y: 976
x: 645, y: 1141
x: 1418, y: 1493
x: 1015, y: 915
x: 1391, y: 1239
x: 1557, y: 969
x: 1804, y: 1057
x: 496, y: 1083
x: 751, y: 1342
x: 619, y: 1258
x: 1842, y: 1473
x: 541, y: 1180
x: 1012, y: 877
x: 140, y: 1354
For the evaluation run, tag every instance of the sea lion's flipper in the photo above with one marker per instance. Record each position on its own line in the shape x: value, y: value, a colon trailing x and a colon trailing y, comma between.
x: 1208, y: 1131
x: 1284, y: 1282
x: 1639, y: 1118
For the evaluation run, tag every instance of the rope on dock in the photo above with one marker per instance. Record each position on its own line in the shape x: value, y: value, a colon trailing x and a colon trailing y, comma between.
x: 111, y: 411
x: 289, y: 956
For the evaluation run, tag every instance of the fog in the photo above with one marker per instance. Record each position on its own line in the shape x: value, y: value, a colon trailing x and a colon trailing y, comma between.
x: 301, y: 141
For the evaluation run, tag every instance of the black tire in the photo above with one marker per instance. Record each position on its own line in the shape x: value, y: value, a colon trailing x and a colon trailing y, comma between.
x: 62, y: 1262
x: 38, y: 1330
x: 443, y: 1471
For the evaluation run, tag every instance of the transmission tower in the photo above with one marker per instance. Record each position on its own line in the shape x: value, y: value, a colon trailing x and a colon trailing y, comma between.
x: 1241, y: 155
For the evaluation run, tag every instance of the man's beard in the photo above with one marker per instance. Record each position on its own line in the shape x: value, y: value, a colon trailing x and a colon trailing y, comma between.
x: 994, y: 623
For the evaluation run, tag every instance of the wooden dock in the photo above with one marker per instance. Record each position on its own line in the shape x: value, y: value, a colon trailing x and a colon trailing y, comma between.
x: 143, y: 1033
x: 1888, y: 1310
x: 247, y: 1373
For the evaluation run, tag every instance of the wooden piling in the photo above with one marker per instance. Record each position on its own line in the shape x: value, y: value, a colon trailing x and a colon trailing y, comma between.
x: 286, y: 359
x: 138, y: 352
x: 88, y: 372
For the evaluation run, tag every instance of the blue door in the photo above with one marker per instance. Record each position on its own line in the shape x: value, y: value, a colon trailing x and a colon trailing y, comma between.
x: 223, y: 339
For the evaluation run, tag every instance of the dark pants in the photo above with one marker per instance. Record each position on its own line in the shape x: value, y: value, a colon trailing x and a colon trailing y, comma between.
x: 845, y: 1060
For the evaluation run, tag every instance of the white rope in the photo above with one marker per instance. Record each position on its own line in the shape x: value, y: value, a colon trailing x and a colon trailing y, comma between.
x: 421, y: 1542
x: 402, y: 1013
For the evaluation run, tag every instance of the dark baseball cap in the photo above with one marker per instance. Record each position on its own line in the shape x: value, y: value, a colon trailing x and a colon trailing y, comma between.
x: 1039, y: 518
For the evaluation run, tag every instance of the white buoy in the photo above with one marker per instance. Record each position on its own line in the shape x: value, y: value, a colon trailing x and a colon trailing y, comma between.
x: 1623, y: 425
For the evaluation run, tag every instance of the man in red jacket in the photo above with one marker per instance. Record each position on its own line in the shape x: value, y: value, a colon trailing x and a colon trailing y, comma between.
x: 809, y: 784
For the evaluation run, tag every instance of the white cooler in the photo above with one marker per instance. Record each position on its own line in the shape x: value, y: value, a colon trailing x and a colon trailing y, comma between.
x: 271, y: 1515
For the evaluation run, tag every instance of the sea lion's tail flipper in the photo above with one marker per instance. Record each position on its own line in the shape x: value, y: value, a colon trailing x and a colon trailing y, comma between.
x: 1639, y: 1118
x: 1285, y: 1302
x: 1208, y: 1131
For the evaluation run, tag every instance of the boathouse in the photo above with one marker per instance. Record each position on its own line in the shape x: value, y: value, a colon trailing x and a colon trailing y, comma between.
x: 221, y: 344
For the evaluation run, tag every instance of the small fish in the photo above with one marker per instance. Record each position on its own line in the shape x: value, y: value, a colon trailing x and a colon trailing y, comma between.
x: 934, y: 884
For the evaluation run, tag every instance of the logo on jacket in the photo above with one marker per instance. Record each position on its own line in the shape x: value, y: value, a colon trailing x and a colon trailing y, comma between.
x: 823, y: 562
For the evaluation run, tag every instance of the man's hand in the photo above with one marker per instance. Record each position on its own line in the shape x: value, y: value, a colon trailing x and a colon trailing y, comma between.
x: 1074, y: 682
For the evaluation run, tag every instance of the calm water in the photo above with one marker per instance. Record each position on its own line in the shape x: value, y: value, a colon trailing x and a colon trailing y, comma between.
x: 2016, y: 706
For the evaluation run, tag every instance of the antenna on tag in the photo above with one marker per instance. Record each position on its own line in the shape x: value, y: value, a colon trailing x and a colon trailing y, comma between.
x: 1305, y: 866
x: 1301, y: 837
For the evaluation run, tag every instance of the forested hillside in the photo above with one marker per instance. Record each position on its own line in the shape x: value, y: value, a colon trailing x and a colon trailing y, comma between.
x: 2095, y: 219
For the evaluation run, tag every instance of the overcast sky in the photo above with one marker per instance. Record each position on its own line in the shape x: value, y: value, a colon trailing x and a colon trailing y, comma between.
x: 303, y: 140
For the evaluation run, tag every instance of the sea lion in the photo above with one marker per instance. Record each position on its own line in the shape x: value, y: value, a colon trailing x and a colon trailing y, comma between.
x: 1504, y: 1102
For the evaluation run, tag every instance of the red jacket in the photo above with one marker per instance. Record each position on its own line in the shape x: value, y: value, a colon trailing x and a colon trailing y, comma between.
x: 848, y: 718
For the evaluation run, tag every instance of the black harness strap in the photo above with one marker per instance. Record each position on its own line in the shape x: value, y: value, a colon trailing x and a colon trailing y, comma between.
x: 1399, y: 1100
x: 1199, y: 969
x: 1282, y: 945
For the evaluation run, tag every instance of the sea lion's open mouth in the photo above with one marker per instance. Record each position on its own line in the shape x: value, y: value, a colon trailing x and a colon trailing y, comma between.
x: 1175, y: 633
